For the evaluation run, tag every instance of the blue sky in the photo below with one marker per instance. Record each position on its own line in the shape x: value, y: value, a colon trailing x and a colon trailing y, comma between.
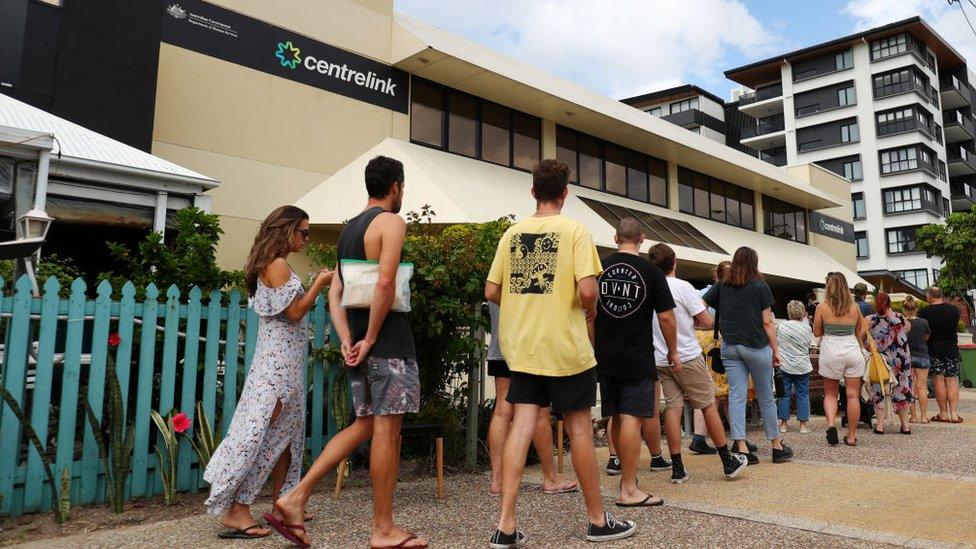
x: 627, y: 47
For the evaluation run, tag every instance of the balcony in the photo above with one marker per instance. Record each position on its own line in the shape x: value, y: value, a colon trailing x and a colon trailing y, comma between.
x: 919, y: 86
x: 958, y: 126
x: 963, y: 193
x: 961, y: 161
x: 762, y: 94
x: 776, y: 157
x: 691, y: 118
x: 955, y: 92
x: 766, y: 134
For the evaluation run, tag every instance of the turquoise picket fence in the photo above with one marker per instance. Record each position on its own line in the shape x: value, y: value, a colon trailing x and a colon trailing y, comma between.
x: 174, y: 351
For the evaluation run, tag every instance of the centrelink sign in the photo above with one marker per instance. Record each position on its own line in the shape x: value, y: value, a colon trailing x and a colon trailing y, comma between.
x: 237, y: 38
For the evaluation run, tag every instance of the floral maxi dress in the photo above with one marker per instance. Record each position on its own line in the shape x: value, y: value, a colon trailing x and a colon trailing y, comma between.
x: 890, y: 333
x: 241, y: 464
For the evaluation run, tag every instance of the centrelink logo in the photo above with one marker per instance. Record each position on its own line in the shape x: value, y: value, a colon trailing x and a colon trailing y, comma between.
x: 290, y: 56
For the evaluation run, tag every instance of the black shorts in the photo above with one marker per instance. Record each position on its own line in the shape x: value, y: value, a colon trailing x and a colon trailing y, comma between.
x: 945, y: 366
x: 563, y: 394
x: 498, y: 368
x: 634, y: 397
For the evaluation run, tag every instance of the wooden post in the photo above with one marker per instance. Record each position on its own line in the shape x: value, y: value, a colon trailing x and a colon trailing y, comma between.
x: 340, y: 475
x: 439, y: 446
x: 559, y: 446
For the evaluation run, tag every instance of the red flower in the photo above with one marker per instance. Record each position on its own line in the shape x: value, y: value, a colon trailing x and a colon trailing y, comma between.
x: 114, y: 340
x: 180, y: 422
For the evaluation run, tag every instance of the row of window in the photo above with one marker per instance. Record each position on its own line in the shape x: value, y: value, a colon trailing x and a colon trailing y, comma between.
x: 901, y: 240
x: 711, y: 198
x: 829, y: 134
x: 784, y: 220
x: 916, y: 277
x: 898, y: 44
x: 911, y: 157
x: 904, y: 80
x: 603, y: 166
x: 450, y: 120
x: 846, y: 95
x: 913, y: 198
x: 908, y: 118
x: 675, y: 108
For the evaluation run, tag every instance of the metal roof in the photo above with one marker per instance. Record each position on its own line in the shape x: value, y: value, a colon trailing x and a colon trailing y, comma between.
x: 72, y: 141
x: 682, y: 89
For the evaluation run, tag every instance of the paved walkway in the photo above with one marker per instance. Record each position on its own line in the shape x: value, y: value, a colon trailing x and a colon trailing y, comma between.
x: 917, y: 490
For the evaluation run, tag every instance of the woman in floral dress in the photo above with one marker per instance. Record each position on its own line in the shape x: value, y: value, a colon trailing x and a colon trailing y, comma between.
x: 890, y: 332
x: 267, y: 434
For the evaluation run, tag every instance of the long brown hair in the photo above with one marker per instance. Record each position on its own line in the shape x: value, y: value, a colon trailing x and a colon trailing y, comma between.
x: 911, y: 307
x: 272, y: 241
x: 721, y: 270
x: 838, y: 294
x: 744, y: 269
x: 882, y: 303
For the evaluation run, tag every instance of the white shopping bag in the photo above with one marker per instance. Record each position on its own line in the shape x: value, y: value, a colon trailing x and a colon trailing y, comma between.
x: 359, y: 281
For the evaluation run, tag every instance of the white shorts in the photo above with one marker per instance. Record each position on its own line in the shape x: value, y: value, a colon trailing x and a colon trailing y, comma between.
x: 840, y: 357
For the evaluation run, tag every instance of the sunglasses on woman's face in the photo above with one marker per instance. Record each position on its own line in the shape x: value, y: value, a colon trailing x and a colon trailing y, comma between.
x: 304, y: 232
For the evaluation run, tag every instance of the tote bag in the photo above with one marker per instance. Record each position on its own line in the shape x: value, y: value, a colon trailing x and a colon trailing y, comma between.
x: 359, y: 281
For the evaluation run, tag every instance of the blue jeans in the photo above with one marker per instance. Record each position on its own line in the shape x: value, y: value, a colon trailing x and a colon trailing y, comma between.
x: 800, y: 384
x: 741, y: 362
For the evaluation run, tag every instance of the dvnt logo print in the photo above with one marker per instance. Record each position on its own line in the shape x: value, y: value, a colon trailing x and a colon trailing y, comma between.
x: 288, y: 55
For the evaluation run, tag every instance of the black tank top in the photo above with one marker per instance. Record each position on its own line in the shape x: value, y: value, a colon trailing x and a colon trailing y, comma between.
x: 395, y: 339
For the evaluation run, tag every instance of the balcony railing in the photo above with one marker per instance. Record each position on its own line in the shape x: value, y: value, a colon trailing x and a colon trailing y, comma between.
x: 778, y: 159
x: 762, y: 94
x: 961, y: 154
x: 958, y: 119
x: 950, y: 82
x: 922, y: 88
x: 961, y: 188
x: 765, y: 126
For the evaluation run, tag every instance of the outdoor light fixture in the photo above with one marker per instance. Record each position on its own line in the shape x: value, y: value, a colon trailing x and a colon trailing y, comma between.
x: 35, y: 224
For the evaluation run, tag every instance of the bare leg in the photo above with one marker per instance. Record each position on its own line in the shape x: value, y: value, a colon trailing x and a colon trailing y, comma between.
x: 520, y: 435
x: 716, y: 431
x: 941, y: 397
x: 852, y: 389
x: 239, y: 517
x: 672, y: 428
x: 629, y: 447
x: 384, y: 464
x: 922, y: 393
x: 903, y: 416
x: 613, y: 432
x: 291, y: 505
x: 501, y: 418
x: 652, y: 425
x: 699, y: 423
x: 831, y: 391
x: 543, y: 446
x: 952, y: 398
x: 579, y: 423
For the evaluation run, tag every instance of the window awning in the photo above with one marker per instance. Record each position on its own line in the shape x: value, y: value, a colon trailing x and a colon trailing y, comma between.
x: 463, y: 190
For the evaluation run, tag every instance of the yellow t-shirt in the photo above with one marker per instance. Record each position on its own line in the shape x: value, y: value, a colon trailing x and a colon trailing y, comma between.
x: 542, y: 326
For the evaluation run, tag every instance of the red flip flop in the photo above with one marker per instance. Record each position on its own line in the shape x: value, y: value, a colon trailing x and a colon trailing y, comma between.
x: 286, y: 530
x: 402, y: 544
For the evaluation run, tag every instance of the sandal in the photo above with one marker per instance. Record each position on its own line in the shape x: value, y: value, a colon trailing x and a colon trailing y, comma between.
x: 938, y: 419
x: 849, y: 443
x: 906, y: 431
x: 957, y: 420
x: 877, y: 432
x: 568, y: 487
x: 286, y: 530
x: 241, y: 533
x: 646, y: 502
x: 402, y: 544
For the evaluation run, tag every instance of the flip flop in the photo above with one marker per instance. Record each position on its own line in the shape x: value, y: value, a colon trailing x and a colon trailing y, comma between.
x: 567, y: 488
x: 494, y: 494
x: 849, y: 443
x: 957, y: 420
x: 646, y: 502
x: 241, y: 533
x: 938, y: 419
x: 402, y: 544
x: 286, y: 530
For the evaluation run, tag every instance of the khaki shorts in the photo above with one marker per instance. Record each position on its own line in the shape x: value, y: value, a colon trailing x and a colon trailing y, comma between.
x: 694, y: 384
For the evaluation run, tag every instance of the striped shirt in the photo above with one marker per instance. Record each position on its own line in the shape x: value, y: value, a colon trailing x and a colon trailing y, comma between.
x: 793, y: 338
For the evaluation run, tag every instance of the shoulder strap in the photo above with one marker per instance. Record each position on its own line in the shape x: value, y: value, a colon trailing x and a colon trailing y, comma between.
x: 718, y: 301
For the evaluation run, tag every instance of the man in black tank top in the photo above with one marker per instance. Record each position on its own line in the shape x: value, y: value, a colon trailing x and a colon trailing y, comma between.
x: 378, y: 348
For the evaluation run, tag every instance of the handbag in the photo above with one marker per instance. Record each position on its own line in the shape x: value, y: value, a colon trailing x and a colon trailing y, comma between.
x: 779, y: 391
x: 359, y: 281
x: 713, y: 357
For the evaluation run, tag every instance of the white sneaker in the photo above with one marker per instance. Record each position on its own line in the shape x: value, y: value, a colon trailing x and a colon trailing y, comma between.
x: 804, y: 429
x: 782, y: 428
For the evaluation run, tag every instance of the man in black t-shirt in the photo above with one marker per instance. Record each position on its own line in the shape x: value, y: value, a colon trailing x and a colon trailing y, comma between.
x: 943, y: 319
x: 631, y: 290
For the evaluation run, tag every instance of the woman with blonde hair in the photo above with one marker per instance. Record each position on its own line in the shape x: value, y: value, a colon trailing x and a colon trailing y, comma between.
x: 918, y: 337
x: 794, y: 337
x: 267, y: 434
x: 890, y: 331
x: 843, y: 332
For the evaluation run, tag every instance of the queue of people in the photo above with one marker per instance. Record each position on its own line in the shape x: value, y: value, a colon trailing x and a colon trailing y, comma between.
x: 564, y: 322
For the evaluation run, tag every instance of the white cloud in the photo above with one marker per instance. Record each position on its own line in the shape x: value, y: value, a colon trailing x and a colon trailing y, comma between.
x: 946, y: 19
x: 617, y: 47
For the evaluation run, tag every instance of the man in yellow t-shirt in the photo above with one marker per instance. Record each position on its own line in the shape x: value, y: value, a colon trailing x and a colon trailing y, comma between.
x: 544, y: 278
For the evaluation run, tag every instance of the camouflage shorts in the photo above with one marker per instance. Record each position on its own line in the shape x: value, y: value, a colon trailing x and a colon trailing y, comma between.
x: 385, y: 387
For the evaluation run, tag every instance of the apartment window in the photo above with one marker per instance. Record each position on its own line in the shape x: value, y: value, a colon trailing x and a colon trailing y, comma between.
x: 946, y: 209
x: 711, y: 198
x: 844, y: 60
x: 861, y: 244
x: 784, y: 220
x: 899, y: 160
x: 607, y: 167
x: 935, y: 276
x: 860, y: 212
x: 827, y: 135
x: 910, y: 199
x: 849, y: 133
x: 467, y: 125
x: 887, y: 47
x: 942, y: 170
x: 852, y: 170
x: 684, y: 105
x: 846, y: 96
x: 916, y: 277
x: 654, y: 111
x: 894, y: 121
x: 901, y: 240
x: 904, y: 80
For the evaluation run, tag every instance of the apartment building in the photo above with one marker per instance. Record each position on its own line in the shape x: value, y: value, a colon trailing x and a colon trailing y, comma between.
x: 688, y: 106
x: 891, y: 110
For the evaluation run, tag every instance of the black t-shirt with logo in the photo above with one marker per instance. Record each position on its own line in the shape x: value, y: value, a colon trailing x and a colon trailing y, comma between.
x: 631, y: 289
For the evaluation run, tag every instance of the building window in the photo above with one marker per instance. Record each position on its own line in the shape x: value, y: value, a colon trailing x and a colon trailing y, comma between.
x: 527, y: 141
x: 784, y: 220
x: 846, y: 96
x: 916, y: 277
x: 604, y: 166
x: 852, y: 170
x: 654, y: 111
x: 946, y: 209
x: 910, y: 199
x: 887, y: 47
x: 426, y: 114
x: 496, y: 131
x: 711, y: 198
x: 844, y: 60
x: 462, y: 123
x: 861, y: 244
x: 901, y: 240
x: 942, y: 170
x: 860, y: 212
x: 849, y: 133
x: 899, y: 160
x: 684, y: 105
x: 894, y: 121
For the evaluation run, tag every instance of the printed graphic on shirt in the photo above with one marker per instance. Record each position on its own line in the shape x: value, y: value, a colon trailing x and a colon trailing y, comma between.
x: 622, y: 290
x: 533, y: 262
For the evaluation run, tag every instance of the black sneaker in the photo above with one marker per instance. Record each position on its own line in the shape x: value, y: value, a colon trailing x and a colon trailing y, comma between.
x: 832, y: 438
x: 658, y: 463
x: 701, y: 447
x: 612, y: 530
x: 613, y: 466
x: 751, y: 458
x: 752, y: 447
x: 501, y: 540
x: 784, y: 455
x: 736, y: 465
x: 678, y: 474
